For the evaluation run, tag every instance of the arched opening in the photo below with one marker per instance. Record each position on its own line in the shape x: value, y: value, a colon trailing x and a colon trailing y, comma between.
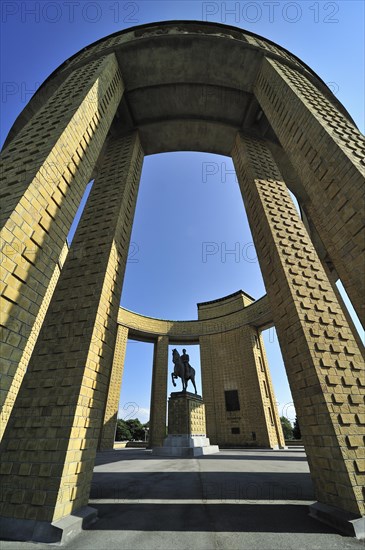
x: 135, y: 394
x: 191, y: 241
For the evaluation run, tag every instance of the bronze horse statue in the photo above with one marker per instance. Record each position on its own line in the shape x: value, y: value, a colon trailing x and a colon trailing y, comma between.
x: 186, y: 373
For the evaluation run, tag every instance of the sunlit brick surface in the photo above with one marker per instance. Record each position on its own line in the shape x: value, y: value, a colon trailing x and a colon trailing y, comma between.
x: 107, y: 436
x: 44, y: 173
x: 322, y: 359
x: 48, y: 455
x: 158, y: 419
x: 235, y: 360
x: 328, y: 153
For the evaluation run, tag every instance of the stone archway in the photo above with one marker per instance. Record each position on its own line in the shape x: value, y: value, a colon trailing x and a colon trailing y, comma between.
x: 164, y: 87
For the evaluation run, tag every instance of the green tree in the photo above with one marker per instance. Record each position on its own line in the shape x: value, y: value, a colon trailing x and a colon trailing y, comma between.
x: 287, y: 427
x: 123, y: 432
x: 136, y: 429
x: 296, y: 429
x: 132, y: 430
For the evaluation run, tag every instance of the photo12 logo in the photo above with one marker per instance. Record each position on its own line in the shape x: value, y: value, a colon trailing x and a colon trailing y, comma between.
x: 237, y: 252
x: 253, y: 12
x: 70, y: 12
x: 219, y: 171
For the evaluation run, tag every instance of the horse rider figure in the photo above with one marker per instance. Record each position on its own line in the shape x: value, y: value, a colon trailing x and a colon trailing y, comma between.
x: 182, y: 369
x: 185, y: 359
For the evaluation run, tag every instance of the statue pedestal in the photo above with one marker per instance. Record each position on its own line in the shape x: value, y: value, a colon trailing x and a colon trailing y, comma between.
x: 186, y: 428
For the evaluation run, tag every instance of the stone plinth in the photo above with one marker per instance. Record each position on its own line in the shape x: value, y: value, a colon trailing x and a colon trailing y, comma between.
x: 186, y: 428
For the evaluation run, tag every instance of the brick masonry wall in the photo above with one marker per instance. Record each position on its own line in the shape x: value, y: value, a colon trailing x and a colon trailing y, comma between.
x: 159, y: 392
x: 233, y: 360
x: 257, y: 314
x: 44, y: 171
x: 28, y: 349
x: 323, y: 363
x: 186, y: 415
x: 107, y: 436
x: 49, y: 445
x: 328, y: 153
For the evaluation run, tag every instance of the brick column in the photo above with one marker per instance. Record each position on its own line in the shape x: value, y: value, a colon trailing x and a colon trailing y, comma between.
x: 322, y: 360
x: 328, y: 153
x: 234, y: 360
x: 55, y: 154
x: 159, y: 392
x: 214, y: 407
x: 49, y: 445
x: 266, y: 406
x: 107, y: 435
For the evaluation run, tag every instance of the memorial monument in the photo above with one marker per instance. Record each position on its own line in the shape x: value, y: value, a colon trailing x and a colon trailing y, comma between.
x: 186, y: 416
x: 159, y: 87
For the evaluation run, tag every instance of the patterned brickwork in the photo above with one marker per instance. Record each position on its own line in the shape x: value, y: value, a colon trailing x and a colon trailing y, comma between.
x: 178, y: 416
x: 328, y: 153
x: 159, y: 392
x: 28, y: 349
x: 44, y: 173
x: 107, y: 436
x: 272, y: 417
x: 323, y: 362
x: 274, y: 49
x: 224, y: 306
x: 50, y: 442
x: 230, y: 361
x: 258, y: 313
x: 197, y: 418
x: 186, y: 415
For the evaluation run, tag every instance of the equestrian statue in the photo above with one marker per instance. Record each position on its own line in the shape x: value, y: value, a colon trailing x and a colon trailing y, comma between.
x: 182, y: 369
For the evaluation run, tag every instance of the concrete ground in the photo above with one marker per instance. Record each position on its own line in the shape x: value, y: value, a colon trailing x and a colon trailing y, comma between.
x: 236, y: 499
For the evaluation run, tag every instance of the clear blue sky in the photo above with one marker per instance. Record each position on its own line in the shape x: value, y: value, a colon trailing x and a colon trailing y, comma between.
x: 180, y: 209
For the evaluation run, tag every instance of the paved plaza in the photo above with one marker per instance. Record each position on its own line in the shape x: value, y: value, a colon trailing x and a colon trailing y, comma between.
x: 236, y: 499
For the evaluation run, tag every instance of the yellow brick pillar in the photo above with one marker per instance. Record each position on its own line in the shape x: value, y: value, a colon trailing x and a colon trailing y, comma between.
x: 234, y: 361
x: 107, y: 435
x: 49, y: 445
x: 159, y: 392
x: 322, y: 360
x: 275, y: 430
x: 261, y: 386
x: 45, y: 170
x: 327, y: 151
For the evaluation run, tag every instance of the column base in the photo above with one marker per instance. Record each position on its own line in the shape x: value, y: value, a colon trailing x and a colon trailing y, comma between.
x: 345, y: 522
x: 185, y: 446
x: 61, y: 531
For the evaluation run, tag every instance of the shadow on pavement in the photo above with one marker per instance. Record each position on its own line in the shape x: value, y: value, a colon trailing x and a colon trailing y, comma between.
x: 268, y: 518
x: 202, y: 485
x: 117, y: 455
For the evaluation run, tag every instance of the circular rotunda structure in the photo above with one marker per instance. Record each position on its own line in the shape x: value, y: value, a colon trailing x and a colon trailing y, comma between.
x: 174, y: 86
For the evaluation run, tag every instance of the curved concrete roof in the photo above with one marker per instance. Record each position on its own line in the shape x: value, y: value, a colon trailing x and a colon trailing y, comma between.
x: 188, y: 84
x: 142, y: 327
